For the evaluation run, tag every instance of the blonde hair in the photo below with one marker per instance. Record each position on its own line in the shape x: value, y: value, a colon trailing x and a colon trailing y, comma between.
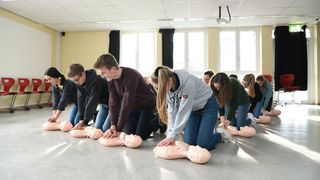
x: 161, y: 78
x: 249, y: 78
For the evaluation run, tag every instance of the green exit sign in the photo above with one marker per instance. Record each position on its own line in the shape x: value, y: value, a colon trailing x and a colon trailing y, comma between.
x: 295, y: 28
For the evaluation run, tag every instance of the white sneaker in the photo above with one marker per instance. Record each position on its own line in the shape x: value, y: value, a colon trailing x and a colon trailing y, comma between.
x: 253, y: 120
x: 226, y: 136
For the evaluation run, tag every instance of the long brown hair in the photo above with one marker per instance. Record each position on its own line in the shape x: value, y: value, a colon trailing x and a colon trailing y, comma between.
x: 250, y: 81
x: 225, y: 93
x: 161, y: 78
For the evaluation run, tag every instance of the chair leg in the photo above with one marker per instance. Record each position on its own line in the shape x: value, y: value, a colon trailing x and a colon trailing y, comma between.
x: 293, y: 102
x: 278, y: 98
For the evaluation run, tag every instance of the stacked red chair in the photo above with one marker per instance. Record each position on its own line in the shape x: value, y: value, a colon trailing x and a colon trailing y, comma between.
x: 46, y: 95
x: 22, y: 94
x: 7, y: 94
x: 35, y: 95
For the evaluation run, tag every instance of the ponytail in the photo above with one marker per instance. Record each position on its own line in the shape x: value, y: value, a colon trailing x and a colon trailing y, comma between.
x: 161, y: 78
x: 54, y: 73
x: 249, y: 78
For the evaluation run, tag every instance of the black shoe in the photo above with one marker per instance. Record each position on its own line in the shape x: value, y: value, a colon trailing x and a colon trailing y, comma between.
x: 163, y: 128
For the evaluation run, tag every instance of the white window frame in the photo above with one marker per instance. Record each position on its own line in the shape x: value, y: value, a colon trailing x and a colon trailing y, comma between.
x: 258, y: 61
x: 186, y: 49
x: 137, y: 58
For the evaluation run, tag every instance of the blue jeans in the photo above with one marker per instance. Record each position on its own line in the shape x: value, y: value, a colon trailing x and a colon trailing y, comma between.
x: 240, y: 119
x: 200, y: 126
x: 73, y: 115
x: 106, y: 124
x: 101, y: 116
x: 257, y: 109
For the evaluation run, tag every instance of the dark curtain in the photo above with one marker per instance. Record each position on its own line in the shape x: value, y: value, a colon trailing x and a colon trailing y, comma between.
x: 167, y: 47
x: 114, y: 44
x: 291, y: 56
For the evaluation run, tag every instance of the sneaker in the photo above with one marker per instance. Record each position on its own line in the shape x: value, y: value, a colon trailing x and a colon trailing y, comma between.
x: 163, y: 128
x: 253, y: 120
x: 225, y: 135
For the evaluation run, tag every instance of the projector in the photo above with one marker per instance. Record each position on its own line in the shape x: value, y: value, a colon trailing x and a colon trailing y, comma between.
x: 223, y: 21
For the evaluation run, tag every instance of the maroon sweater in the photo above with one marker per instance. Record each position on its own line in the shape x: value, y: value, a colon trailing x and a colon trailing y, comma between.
x: 127, y: 93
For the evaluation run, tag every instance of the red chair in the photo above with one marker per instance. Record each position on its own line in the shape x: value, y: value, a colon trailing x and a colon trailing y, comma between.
x: 23, y: 94
x: 47, y: 86
x: 6, y: 95
x: 36, y: 94
x: 46, y: 95
x: 23, y: 83
x: 36, y: 84
x: 7, y: 83
x: 286, y: 82
x: 268, y: 77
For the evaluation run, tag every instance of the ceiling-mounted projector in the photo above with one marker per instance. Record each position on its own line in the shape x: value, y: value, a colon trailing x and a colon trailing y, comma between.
x: 221, y: 20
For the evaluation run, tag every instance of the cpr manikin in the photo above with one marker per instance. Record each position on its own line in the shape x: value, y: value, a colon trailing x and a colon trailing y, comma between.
x: 195, y: 154
x: 274, y: 112
x: 131, y: 141
x: 87, y: 132
x: 244, y: 131
x: 57, y: 126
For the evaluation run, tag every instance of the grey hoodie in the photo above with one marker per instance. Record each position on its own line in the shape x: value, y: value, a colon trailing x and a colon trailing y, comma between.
x: 192, y: 95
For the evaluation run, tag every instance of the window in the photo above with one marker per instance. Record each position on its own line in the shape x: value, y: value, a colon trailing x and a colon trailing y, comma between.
x: 308, y: 33
x: 138, y: 51
x: 189, y: 51
x: 238, y: 51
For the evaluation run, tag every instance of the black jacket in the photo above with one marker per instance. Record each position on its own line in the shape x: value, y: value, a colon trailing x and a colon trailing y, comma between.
x: 93, y: 92
x: 62, y: 97
x: 256, y: 99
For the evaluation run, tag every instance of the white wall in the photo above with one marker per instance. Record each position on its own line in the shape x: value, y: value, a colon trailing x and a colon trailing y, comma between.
x: 24, y: 51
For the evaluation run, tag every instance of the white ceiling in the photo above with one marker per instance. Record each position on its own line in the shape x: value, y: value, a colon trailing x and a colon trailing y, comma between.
x: 91, y: 15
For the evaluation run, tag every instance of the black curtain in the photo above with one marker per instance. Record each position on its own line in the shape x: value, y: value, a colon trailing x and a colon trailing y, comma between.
x: 167, y: 47
x: 114, y: 44
x: 291, y: 56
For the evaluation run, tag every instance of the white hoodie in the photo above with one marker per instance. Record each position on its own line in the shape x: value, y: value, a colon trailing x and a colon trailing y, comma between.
x: 192, y: 95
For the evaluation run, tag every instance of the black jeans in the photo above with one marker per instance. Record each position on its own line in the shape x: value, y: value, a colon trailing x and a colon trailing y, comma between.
x: 142, y: 122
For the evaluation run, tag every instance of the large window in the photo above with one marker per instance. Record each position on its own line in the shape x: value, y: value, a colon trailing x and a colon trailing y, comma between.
x: 138, y: 51
x: 189, y: 51
x: 238, y: 51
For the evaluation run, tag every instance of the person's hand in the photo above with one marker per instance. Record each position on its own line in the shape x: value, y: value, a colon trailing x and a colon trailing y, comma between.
x: 166, y: 142
x: 223, y: 118
x: 79, y: 126
x: 226, y: 124
x: 224, y: 121
x: 111, y: 132
x: 52, y: 119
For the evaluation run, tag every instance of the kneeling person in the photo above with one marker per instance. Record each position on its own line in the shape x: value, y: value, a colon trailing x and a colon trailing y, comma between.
x: 131, y: 102
x: 92, y: 90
